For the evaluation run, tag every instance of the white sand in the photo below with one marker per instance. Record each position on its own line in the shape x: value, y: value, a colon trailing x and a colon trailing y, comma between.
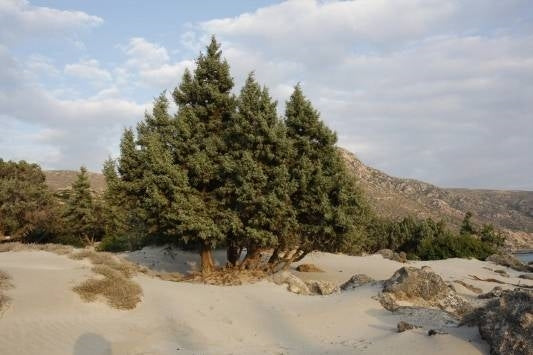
x: 46, y: 317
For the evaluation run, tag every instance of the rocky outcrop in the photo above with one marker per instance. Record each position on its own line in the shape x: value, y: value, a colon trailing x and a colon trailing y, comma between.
x: 506, y: 323
x: 294, y: 284
x: 400, y: 257
x: 509, y: 261
x: 322, y: 287
x: 412, y: 287
x: 356, y: 281
x: 298, y: 286
x: 308, y: 268
x: 526, y: 276
x: 495, y: 292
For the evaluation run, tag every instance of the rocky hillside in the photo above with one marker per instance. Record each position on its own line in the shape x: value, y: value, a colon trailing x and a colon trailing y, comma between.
x: 511, y: 211
x: 61, y: 180
x: 394, y: 197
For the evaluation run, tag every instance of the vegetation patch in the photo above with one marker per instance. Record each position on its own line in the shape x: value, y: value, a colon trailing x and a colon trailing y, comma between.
x: 5, y: 283
x: 117, y: 288
x: 227, y: 277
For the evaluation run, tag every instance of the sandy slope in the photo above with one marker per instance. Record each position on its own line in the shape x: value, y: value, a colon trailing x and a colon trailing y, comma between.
x: 46, y: 317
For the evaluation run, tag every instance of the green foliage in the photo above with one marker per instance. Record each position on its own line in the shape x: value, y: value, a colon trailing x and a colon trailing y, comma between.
x: 83, y: 214
x: 467, y: 227
x: 27, y: 209
x: 428, y: 240
x: 257, y: 186
x: 327, y: 204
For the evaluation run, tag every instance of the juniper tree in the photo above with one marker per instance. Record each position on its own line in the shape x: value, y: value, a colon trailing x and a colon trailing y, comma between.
x: 205, y: 104
x: 27, y: 208
x: 328, y: 205
x: 81, y: 217
x: 257, y: 185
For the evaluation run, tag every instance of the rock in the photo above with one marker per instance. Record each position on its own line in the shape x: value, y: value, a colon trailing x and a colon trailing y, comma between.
x: 403, y: 326
x: 526, y: 276
x: 308, y: 268
x: 469, y: 287
x: 506, y: 323
x: 356, y: 281
x: 412, y: 287
x: 502, y: 272
x: 509, y: 261
x: 322, y: 287
x: 495, y: 292
x: 432, y: 332
x: 294, y: 284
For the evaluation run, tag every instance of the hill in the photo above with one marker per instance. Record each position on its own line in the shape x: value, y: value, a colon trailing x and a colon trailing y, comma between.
x: 511, y: 211
x: 60, y: 180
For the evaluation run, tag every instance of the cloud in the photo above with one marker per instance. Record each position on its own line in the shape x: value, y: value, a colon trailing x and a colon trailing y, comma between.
x: 22, y: 20
x: 89, y: 70
x: 440, y: 93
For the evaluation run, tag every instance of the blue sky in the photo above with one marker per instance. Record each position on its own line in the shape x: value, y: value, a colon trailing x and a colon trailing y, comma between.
x: 438, y: 90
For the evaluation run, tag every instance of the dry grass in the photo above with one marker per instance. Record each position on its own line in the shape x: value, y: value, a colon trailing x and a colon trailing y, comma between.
x: 227, y: 277
x: 126, y: 268
x: 58, y: 249
x: 5, y: 283
x: 119, y: 291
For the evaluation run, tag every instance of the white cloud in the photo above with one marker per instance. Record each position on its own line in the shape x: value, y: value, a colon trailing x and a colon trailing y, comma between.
x: 89, y: 70
x: 20, y: 19
x: 144, y: 54
x: 424, y: 89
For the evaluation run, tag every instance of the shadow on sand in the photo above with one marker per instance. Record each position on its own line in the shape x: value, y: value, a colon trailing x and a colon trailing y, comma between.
x: 92, y: 344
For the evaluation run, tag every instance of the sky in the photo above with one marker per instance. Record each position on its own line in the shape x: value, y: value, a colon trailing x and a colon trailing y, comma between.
x: 436, y: 90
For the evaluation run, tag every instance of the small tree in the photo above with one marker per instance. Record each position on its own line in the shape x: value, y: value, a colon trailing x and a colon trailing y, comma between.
x: 81, y: 213
x: 467, y: 227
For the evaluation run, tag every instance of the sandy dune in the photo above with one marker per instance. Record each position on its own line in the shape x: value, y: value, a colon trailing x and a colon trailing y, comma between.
x: 46, y: 317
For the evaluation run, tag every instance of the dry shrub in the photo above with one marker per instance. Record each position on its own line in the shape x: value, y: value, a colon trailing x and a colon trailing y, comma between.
x: 119, y: 291
x: 227, y: 277
x: 126, y: 268
x: 58, y: 249
x: 5, y: 283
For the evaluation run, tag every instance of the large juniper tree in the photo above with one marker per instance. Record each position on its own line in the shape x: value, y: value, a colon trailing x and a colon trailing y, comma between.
x: 205, y: 105
x: 328, y: 205
x: 257, y: 180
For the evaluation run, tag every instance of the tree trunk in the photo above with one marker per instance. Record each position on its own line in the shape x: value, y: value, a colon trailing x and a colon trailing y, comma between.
x: 233, y: 254
x: 274, y: 257
x: 252, y: 259
x: 206, y: 254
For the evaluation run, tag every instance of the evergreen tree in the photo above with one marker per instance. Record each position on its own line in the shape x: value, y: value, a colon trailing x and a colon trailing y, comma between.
x: 205, y: 104
x: 467, y: 227
x: 81, y: 216
x: 329, y: 207
x: 27, y: 208
x: 257, y: 181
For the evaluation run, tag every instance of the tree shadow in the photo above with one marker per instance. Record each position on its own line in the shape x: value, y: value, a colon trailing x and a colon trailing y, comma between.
x: 92, y: 344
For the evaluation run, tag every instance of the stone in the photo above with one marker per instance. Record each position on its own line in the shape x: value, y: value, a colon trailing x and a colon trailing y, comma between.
x: 322, y: 287
x: 526, y: 276
x: 403, y: 326
x: 506, y: 323
x: 509, y: 261
x: 413, y: 287
x: 308, y: 268
x: 294, y: 284
x: 495, y: 292
x: 502, y: 272
x: 355, y: 281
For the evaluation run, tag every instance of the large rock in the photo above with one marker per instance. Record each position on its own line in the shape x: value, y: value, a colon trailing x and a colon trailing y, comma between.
x: 412, y: 287
x: 495, y: 292
x: 509, y: 261
x: 526, y: 276
x: 506, y: 323
x: 294, y: 284
x: 355, y: 281
x: 322, y: 287
x: 308, y: 268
